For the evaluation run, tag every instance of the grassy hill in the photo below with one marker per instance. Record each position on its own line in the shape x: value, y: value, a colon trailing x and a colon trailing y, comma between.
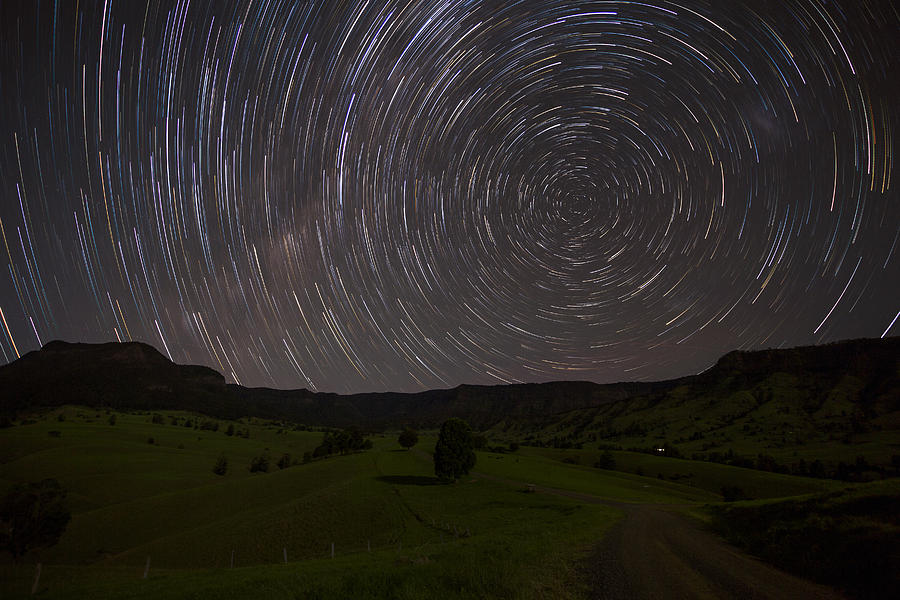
x: 132, y: 499
x: 133, y: 438
x: 139, y: 488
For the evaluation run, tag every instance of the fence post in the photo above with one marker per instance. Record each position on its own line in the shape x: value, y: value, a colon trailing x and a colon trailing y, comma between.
x: 147, y: 568
x: 37, y: 580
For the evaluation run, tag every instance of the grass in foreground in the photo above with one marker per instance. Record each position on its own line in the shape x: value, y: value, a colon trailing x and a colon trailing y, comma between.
x: 473, y: 539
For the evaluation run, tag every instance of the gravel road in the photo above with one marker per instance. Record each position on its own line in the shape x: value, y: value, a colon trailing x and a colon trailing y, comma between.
x: 655, y: 553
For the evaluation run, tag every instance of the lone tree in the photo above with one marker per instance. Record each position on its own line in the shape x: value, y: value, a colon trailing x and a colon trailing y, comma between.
x: 408, y: 438
x: 453, y: 454
x: 34, y: 515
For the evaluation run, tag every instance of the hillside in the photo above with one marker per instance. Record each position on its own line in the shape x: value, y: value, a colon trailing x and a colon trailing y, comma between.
x: 133, y: 375
x: 774, y: 410
x: 834, y: 387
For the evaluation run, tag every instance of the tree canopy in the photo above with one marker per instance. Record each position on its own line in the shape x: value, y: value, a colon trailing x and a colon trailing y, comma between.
x: 453, y: 454
x: 34, y: 515
x: 408, y: 438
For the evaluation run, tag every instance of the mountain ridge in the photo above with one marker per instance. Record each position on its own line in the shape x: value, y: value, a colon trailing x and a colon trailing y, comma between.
x: 134, y: 375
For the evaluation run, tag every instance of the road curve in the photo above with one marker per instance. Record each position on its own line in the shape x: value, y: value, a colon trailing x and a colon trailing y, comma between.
x: 655, y: 553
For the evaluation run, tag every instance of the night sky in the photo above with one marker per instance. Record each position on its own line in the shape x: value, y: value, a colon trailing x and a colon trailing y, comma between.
x: 360, y: 196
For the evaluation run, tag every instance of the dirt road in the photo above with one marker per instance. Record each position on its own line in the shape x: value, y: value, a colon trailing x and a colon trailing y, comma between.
x: 655, y: 553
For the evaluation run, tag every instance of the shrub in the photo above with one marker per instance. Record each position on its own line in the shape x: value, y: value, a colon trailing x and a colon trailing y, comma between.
x: 34, y: 516
x: 221, y: 466
x: 285, y: 461
x: 260, y: 463
x: 606, y: 461
x: 732, y: 493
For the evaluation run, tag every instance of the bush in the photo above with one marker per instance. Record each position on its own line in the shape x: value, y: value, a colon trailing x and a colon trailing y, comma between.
x: 606, y: 461
x: 260, y: 463
x: 112, y: 419
x: 221, y: 466
x: 732, y: 493
x: 845, y: 539
x: 343, y: 442
x: 285, y: 461
x: 34, y: 516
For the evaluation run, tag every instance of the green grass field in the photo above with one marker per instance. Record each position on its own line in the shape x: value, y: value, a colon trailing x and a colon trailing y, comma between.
x: 396, y: 532
x: 131, y: 499
x: 704, y: 476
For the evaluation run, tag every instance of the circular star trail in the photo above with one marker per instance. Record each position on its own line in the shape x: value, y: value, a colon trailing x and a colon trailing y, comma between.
x: 356, y: 196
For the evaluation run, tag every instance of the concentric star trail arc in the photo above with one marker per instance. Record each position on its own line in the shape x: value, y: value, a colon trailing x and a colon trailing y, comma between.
x: 355, y: 196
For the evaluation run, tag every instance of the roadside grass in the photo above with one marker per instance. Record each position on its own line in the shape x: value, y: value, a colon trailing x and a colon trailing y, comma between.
x: 708, y: 476
x: 847, y: 538
x: 133, y: 500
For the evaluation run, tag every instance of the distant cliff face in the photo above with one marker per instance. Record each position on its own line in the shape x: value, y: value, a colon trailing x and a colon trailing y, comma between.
x: 856, y: 355
x: 136, y: 376
x: 875, y: 364
x: 126, y: 375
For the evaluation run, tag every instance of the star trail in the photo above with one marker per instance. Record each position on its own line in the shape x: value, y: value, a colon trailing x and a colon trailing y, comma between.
x: 356, y: 196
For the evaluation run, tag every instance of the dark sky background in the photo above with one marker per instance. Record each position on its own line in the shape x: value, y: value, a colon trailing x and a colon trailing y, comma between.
x: 358, y: 196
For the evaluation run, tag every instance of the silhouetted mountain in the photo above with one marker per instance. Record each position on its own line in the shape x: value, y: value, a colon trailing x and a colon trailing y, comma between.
x: 129, y: 375
x: 136, y: 376
x: 479, y: 404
